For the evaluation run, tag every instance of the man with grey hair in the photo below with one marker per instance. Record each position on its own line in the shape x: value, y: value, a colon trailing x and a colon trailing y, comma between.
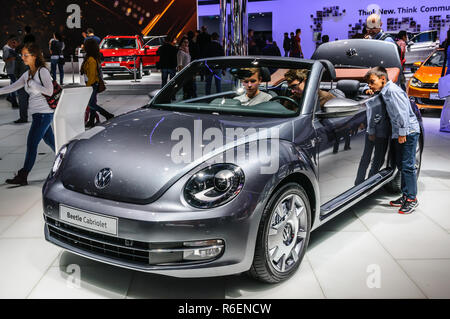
x: 374, y: 31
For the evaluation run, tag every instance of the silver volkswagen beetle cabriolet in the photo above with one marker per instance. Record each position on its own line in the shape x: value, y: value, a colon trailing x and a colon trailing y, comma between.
x: 227, y: 170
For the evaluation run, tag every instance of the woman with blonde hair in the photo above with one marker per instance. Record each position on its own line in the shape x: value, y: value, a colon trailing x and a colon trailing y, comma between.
x: 92, y: 72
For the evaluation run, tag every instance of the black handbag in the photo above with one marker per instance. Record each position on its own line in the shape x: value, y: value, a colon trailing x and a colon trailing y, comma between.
x: 61, y: 60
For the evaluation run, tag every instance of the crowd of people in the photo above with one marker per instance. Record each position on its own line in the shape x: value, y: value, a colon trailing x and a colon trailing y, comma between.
x: 15, y: 66
x: 31, y: 82
x: 292, y: 44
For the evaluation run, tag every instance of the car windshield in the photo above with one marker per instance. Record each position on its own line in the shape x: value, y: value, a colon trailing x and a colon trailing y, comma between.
x: 119, y: 43
x: 237, y: 86
x: 436, y: 59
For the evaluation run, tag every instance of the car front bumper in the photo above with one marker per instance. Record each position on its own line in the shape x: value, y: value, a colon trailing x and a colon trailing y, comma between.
x: 422, y: 98
x: 148, y: 240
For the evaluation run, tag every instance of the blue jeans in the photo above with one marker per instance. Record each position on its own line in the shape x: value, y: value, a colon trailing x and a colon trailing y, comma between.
x: 54, y: 63
x: 165, y: 74
x: 217, y: 80
x: 406, y: 161
x: 40, y: 129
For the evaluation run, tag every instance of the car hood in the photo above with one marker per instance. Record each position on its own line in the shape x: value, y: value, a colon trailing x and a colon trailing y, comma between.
x: 428, y: 74
x: 137, y: 148
x: 118, y: 52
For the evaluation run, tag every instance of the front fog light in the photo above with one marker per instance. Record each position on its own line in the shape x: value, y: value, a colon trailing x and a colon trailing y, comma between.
x: 202, y: 250
x: 58, y: 160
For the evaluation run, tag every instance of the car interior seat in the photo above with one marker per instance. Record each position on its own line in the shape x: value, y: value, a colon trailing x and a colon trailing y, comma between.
x: 349, y: 87
x: 266, y: 77
x: 225, y: 101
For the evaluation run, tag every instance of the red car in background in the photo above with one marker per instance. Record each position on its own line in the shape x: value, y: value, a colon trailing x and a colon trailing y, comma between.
x: 122, y: 54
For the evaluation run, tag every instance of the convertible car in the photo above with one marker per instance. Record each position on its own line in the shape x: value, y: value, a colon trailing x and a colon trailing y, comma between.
x: 423, y: 86
x: 197, y: 183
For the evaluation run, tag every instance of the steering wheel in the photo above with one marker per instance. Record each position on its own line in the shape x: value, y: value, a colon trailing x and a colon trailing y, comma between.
x: 288, y: 99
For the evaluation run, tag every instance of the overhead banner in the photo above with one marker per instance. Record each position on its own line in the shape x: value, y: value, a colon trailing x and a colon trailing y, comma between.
x: 343, y: 19
x: 107, y: 17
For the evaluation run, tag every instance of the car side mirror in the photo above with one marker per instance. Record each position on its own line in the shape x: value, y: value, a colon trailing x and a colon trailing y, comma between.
x: 410, y: 43
x: 418, y: 64
x: 339, y: 107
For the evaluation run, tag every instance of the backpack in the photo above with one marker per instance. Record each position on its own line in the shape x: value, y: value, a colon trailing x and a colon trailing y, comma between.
x: 53, y: 99
x: 384, y: 36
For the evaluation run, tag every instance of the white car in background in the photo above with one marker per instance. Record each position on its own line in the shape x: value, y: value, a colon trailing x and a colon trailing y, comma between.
x: 420, y: 46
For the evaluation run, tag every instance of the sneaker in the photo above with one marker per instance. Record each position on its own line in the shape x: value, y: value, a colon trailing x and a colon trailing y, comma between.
x: 398, y: 202
x: 408, y: 206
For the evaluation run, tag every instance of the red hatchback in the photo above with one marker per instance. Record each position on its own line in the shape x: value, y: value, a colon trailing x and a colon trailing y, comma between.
x: 125, y: 54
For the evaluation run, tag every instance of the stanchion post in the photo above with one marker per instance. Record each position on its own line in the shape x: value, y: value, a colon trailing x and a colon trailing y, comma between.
x: 73, y: 71
x: 134, y: 71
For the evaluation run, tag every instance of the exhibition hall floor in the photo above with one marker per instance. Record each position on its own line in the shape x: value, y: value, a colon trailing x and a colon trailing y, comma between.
x: 369, y: 251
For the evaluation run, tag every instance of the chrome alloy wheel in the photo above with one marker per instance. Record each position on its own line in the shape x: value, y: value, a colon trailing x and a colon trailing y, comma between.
x: 287, y: 233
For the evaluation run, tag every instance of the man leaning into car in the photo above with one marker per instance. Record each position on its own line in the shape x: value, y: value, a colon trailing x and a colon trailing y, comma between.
x: 296, y: 79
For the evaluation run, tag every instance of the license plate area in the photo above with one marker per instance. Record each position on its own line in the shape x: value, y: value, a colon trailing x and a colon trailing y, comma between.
x: 88, y: 220
x: 435, y: 96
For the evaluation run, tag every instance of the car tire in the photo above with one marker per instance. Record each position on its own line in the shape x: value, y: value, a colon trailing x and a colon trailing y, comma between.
x: 291, y: 238
x: 395, y: 185
x: 147, y: 72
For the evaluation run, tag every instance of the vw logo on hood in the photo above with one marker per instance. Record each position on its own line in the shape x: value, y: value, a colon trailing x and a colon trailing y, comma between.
x: 351, y: 52
x: 103, y: 178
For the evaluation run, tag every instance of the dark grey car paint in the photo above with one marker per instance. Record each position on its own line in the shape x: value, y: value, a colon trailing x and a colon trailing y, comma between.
x: 149, y: 203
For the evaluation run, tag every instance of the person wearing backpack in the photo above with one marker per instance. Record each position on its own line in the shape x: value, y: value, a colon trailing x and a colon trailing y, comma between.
x: 56, y: 47
x: 374, y: 31
x: 38, y: 83
x: 93, y: 76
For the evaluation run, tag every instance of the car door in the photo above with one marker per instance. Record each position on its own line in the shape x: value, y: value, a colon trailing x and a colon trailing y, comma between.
x: 421, y: 46
x: 340, y: 145
x: 149, y: 51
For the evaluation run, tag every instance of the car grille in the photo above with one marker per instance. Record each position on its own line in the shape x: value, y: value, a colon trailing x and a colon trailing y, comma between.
x: 429, y: 85
x: 425, y: 101
x: 112, y: 59
x: 128, y: 251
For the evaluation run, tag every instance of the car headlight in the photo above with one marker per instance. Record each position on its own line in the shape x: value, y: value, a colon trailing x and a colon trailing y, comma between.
x: 416, y: 83
x: 58, y: 160
x: 214, y: 186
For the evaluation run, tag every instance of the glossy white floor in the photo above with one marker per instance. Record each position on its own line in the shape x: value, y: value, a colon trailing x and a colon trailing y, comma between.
x: 370, y: 251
